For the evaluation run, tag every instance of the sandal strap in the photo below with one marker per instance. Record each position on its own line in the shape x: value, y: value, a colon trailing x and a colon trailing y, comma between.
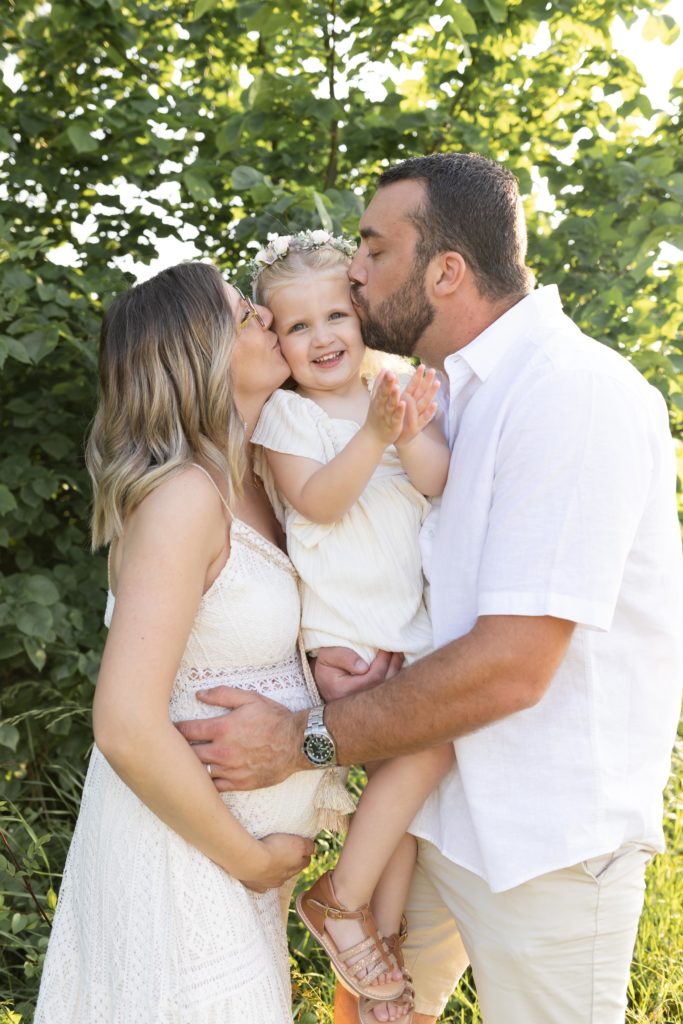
x: 358, y: 949
x: 371, y: 960
x: 341, y: 915
x: 403, y: 930
x: 393, y: 945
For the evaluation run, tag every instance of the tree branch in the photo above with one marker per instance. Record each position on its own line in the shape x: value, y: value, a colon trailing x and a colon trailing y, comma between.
x: 333, y: 157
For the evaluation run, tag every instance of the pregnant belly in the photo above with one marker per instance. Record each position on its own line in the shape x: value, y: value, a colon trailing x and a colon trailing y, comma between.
x: 287, y: 807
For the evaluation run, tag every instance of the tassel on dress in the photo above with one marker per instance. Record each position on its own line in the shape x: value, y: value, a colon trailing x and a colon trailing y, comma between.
x: 333, y: 802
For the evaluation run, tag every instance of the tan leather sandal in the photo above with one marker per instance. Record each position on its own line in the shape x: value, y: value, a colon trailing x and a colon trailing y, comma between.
x: 407, y: 997
x: 372, y: 955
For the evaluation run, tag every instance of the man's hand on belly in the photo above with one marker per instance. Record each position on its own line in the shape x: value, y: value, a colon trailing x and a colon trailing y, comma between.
x: 258, y: 744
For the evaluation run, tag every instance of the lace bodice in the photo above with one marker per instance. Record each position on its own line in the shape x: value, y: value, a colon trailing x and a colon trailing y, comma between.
x: 245, y: 631
x: 246, y: 635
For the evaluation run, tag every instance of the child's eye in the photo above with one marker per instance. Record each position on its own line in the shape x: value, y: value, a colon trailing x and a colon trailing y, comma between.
x: 297, y: 327
x: 338, y: 315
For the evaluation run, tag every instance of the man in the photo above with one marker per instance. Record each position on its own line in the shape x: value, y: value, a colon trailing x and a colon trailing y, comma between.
x: 556, y: 603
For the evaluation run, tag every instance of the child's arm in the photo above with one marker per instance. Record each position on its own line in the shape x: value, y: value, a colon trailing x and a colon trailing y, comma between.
x: 324, y: 493
x: 421, y: 447
x: 170, y: 541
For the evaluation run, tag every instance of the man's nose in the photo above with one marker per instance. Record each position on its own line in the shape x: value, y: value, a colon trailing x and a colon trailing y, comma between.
x: 356, y: 271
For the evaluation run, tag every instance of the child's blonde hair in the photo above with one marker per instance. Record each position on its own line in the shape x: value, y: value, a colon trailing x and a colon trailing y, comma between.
x: 300, y: 259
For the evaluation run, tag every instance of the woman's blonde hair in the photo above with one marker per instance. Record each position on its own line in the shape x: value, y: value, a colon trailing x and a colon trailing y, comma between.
x: 165, y: 392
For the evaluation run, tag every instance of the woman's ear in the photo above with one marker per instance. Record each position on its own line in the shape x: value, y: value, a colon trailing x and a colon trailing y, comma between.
x: 449, y: 271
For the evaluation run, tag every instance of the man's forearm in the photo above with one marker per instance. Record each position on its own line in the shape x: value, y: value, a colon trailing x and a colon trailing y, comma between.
x: 504, y: 665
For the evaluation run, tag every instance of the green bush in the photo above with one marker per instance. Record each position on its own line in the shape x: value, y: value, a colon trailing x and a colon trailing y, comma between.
x: 125, y: 122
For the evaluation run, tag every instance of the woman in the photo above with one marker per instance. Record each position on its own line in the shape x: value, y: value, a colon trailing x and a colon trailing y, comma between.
x: 168, y: 911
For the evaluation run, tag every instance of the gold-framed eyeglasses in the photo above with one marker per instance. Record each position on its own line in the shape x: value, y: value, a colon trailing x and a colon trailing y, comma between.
x: 250, y: 313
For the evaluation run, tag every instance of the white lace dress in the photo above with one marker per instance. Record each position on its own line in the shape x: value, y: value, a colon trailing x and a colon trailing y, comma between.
x: 148, y: 930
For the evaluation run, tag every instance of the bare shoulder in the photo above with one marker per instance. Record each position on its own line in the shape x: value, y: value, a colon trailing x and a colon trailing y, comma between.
x: 185, y: 508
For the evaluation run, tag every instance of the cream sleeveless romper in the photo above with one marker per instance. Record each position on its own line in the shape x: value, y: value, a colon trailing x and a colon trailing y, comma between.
x: 361, y: 576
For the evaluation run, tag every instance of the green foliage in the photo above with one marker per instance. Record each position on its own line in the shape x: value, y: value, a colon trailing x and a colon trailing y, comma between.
x: 222, y: 121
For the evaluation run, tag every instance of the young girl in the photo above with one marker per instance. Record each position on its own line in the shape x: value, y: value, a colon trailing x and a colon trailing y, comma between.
x: 351, y: 464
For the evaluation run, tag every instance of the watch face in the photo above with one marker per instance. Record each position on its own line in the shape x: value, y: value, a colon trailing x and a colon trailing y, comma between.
x: 319, y: 749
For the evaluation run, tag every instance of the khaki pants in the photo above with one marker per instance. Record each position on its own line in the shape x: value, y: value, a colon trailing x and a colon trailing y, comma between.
x: 555, y: 950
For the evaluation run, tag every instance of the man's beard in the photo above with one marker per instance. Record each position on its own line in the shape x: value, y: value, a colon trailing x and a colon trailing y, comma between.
x: 400, y: 320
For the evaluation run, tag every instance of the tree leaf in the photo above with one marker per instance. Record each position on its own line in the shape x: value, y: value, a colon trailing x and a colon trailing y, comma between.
x: 9, y: 736
x: 201, y: 7
x: 40, y: 589
x: 198, y: 186
x: 323, y: 213
x: 34, y: 620
x: 244, y: 178
x: 462, y: 18
x: 7, y: 500
x: 35, y: 652
x: 81, y: 139
x: 497, y: 9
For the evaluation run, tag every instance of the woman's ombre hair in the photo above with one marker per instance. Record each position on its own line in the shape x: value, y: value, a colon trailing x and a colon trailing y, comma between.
x: 165, y: 392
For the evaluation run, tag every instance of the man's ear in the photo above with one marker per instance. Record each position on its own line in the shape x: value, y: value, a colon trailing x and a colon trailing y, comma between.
x: 449, y: 269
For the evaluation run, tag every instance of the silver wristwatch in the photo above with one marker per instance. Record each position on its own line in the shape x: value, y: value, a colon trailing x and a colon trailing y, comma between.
x: 318, y: 745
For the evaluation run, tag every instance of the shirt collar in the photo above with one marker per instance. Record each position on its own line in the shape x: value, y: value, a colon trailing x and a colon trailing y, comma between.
x: 483, y: 354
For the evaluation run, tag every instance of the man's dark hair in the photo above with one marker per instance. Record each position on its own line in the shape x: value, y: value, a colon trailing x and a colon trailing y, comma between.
x: 472, y: 206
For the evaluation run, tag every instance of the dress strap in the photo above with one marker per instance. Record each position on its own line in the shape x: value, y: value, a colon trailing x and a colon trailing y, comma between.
x: 213, y: 484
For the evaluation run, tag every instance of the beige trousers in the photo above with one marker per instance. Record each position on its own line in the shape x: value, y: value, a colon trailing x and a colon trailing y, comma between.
x: 555, y: 950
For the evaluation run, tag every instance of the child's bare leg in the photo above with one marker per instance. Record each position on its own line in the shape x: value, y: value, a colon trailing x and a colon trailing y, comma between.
x: 391, y: 892
x: 395, y: 792
x: 388, y: 901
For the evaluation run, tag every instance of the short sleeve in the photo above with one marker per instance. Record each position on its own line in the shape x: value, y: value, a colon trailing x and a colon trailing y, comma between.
x: 571, y: 481
x: 293, y: 425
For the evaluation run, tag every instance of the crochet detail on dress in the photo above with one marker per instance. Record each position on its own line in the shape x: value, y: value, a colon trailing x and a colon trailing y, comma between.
x: 283, y: 682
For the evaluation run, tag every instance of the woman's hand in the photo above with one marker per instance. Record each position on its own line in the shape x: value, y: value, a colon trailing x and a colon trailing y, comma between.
x: 419, y: 397
x: 285, y: 856
x: 385, y: 414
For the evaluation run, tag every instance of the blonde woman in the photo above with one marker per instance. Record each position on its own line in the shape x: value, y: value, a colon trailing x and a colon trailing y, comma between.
x: 169, y: 910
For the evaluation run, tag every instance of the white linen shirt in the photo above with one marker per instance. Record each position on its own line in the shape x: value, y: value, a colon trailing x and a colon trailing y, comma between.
x: 559, y: 501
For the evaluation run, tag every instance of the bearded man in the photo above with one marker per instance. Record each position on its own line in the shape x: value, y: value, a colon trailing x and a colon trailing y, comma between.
x: 556, y: 598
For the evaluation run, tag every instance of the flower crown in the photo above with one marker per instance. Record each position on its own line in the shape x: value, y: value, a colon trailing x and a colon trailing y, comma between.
x: 279, y: 247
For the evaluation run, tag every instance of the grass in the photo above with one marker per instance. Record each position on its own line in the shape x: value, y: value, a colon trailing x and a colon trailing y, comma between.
x: 656, y: 988
x: 655, y: 991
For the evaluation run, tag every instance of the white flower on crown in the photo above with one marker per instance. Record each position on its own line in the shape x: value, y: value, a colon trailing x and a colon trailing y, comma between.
x: 264, y: 257
x: 280, y: 245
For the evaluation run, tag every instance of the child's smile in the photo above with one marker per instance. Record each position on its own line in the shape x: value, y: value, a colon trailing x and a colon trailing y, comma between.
x: 319, y: 332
